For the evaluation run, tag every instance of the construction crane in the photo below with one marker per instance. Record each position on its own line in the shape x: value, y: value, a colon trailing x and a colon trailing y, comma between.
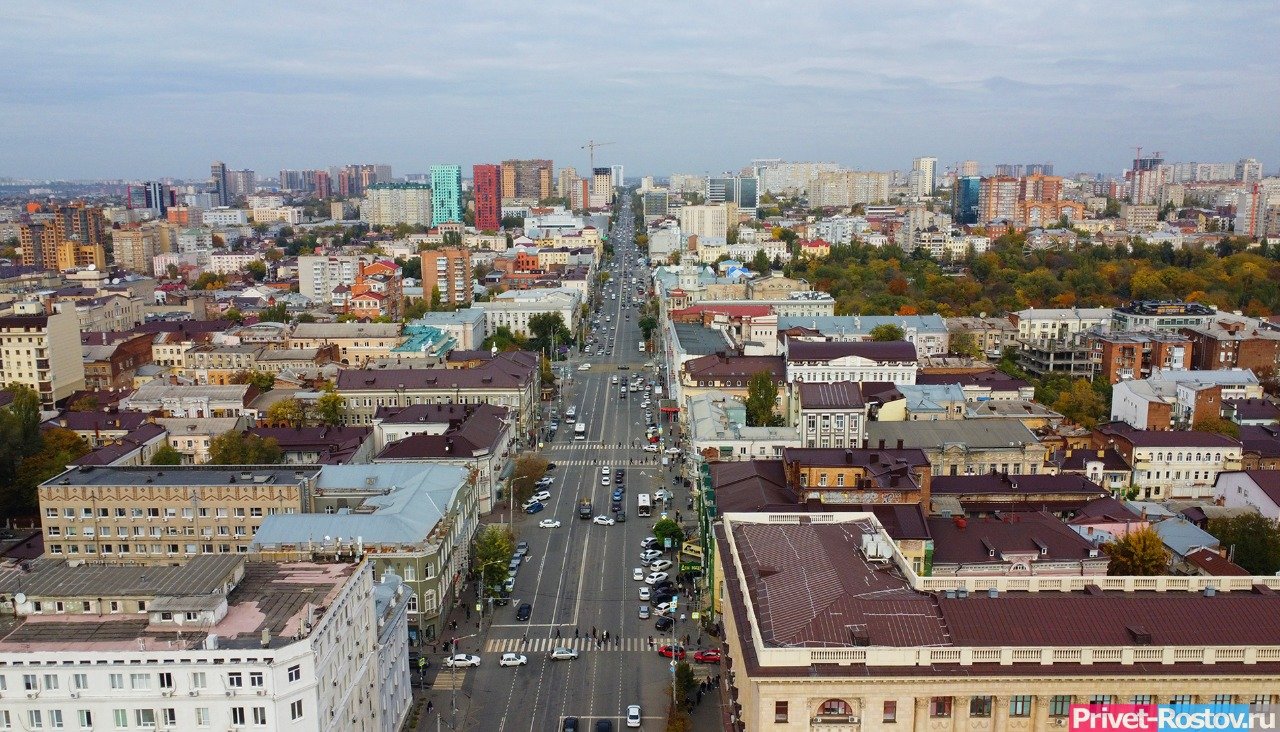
x: 591, y: 146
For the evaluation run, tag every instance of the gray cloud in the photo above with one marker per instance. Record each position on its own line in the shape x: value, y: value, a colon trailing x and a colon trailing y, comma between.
x: 148, y: 89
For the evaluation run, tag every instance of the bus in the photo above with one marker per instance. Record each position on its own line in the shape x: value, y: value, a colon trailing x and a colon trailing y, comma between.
x: 580, y: 431
x: 644, y: 505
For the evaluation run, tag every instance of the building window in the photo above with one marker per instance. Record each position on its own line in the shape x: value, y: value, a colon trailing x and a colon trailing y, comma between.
x: 146, y: 718
x: 1141, y: 699
x: 980, y: 706
x: 121, y: 717
x: 1181, y: 700
x: 295, y: 673
x: 237, y: 715
x: 1020, y: 706
x: 139, y: 681
x: 255, y: 679
x: 940, y: 706
x: 117, y: 681
x: 86, y: 718
x: 295, y: 709
x: 260, y: 716
x: 202, y: 716
x: 35, y: 720
x: 1100, y: 699
x: 235, y: 680
x: 1060, y: 705
x: 890, y: 714
x: 835, y: 707
x: 1221, y: 700
x: 198, y: 680
x: 780, y: 711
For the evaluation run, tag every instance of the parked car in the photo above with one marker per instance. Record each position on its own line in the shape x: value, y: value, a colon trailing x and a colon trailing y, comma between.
x: 633, y: 715
x: 535, y: 507
x: 541, y: 496
x: 512, y: 659
x: 656, y: 577
x: 675, y: 651
x: 648, y: 555
x: 710, y: 655
x: 660, y: 565
x: 644, y: 593
x: 637, y: 574
x: 663, y: 623
x: 644, y: 612
x: 462, y: 660
x: 570, y: 724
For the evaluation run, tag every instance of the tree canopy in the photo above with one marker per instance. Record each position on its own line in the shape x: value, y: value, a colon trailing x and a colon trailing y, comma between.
x: 244, y: 448
x: 1138, y: 554
x: 166, y: 455
x: 762, y: 395
x: 668, y: 529
x: 1254, y: 538
x: 529, y: 469
x: 493, y: 549
x: 888, y: 332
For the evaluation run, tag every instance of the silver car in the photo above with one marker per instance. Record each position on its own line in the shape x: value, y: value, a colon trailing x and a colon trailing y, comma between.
x: 644, y: 612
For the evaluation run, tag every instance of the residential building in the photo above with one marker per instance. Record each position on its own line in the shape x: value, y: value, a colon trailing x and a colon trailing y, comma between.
x: 192, y: 436
x: 190, y: 647
x: 930, y: 334
x: 486, y: 182
x: 1177, y: 399
x: 853, y: 476
x: 164, y: 399
x: 357, y: 343
x: 112, y: 359
x: 1059, y: 324
x: 998, y: 199
x: 1017, y: 543
x: 829, y: 414
x: 514, y: 308
x: 1232, y: 342
x: 221, y: 183
x: 1157, y: 315
x: 527, y: 179
x: 392, y: 204
x: 449, y: 271
x: 41, y: 351
x: 413, y: 520
x: 217, y: 365
x: 990, y: 335
x: 602, y: 191
x: 378, y: 291
x: 155, y: 515
x: 856, y: 361
x: 965, y: 447
x: 1140, y: 217
x: 926, y: 175
x: 446, y: 194
x: 319, y: 275
x: 995, y: 492
x: 717, y: 425
x: 1139, y: 355
x: 709, y: 221
x: 960, y: 653
x: 134, y: 247
x: 1258, y: 490
x: 464, y: 325
x: 1172, y: 464
x: 728, y: 373
x: 848, y: 188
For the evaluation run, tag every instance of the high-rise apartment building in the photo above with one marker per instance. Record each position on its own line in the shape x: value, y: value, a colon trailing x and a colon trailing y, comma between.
x: 218, y: 174
x: 1248, y: 170
x: 601, y: 187
x: 846, y: 188
x: 1145, y: 179
x: 998, y: 199
x: 242, y: 182
x: 966, y: 199
x: 927, y: 175
x: 486, y: 184
x: 779, y: 177
x: 446, y: 194
x: 968, y: 168
x: 135, y: 246
x: 74, y: 236
x: 450, y: 271
x: 319, y: 275
x: 324, y: 185
x: 42, y: 351
x: 706, y: 221
x: 392, y: 204
x: 566, y: 181
x: 528, y: 179
x: 617, y: 175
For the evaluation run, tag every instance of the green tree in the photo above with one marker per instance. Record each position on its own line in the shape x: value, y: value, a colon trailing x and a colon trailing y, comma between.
x: 277, y: 313
x: 234, y: 315
x: 330, y: 409
x: 648, y: 324
x: 58, y: 447
x: 965, y: 344
x: 87, y: 403
x: 166, y: 455
x: 668, y: 529
x: 256, y: 270
x: 549, y: 331
x: 435, y: 299
x: 243, y: 448
x: 762, y: 395
x: 505, y: 340
x: 1218, y: 425
x: 19, y: 438
x: 416, y: 309
x: 291, y: 412
x: 761, y: 262
x: 263, y: 380
x: 493, y: 549
x: 1081, y: 404
x: 1138, y: 554
x: 1254, y: 538
x: 529, y: 469
x: 888, y: 332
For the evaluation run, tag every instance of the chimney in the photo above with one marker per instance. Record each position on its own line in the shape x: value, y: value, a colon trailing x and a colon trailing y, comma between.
x: 848, y: 457
x: 899, y: 444
x: 881, y: 444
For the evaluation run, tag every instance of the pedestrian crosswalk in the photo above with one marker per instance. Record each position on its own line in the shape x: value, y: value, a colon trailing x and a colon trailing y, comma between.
x: 623, y: 462
x: 582, y: 645
x: 449, y: 679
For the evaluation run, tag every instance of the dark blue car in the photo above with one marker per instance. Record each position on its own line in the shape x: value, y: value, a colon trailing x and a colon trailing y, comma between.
x: 534, y: 508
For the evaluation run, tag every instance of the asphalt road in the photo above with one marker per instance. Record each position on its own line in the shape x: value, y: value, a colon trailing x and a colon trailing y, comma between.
x: 579, y: 576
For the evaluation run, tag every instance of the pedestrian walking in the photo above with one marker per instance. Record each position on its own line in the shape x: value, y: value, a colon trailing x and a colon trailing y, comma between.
x: 430, y: 706
x: 575, y: 634
x: 557, y: 633
x: 593, y: 631
x: 468, y: 613
x: 699, y: 639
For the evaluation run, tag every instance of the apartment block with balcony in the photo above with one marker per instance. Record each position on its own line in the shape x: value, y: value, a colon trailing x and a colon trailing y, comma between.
x: 42, y: 351
x: 449, y: 270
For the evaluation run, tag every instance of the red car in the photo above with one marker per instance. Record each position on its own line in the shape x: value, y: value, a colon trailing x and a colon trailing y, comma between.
x: 676, y: 652
x: 711, y: 655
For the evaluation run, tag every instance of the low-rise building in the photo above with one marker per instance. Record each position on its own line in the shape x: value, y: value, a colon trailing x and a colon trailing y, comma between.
x: 1234, y: 342
x: 465, y: 325
x: 1162, y: 315
x: 965, y: 447
x: 858, y: 476
x: 163, y: 399
x: 989, y: 493
x: 1172, y: 464
x: 191, y: 436
x: 718, y: 430
x: 1021, y: 543
x: 1255, y: 489
x: 357, y: 343
x: 1179, y: 399
x: 858, y: 361
x: 217, y: 365
x: 513, y: 309
x: 42, y: 352
x: 1125, y: 355
x: 830, y: 414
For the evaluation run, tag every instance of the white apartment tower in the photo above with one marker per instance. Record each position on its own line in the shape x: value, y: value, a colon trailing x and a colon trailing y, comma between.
x: 925, y: 178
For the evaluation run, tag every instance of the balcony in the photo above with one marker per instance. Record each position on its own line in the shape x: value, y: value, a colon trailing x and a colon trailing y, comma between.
x: 837, y: 722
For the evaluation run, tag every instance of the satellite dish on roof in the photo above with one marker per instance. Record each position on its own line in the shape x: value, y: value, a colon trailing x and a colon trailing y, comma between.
x: 20, y: 598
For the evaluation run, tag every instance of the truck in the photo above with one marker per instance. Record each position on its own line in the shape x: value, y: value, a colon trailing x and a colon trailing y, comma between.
x: 580, y: 431
x: 584, y: 508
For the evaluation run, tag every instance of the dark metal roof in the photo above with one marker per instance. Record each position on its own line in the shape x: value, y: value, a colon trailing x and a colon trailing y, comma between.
x: 972, y: 540
x: 883, y: 351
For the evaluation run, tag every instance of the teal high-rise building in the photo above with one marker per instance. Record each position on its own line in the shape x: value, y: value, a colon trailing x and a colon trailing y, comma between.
x: 446, y: 194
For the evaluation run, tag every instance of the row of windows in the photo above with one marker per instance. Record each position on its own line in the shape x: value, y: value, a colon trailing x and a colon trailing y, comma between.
x: 155, y: 532
x: 143, y: 718
x: 142, y: 681
x: 86, y: 512
x: 166, y: 549
x: 1181, y: 457
x: 941, y: 707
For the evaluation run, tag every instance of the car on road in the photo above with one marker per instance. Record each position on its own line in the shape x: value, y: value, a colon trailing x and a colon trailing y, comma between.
x: 462, y: 660
x: 585, y: 367
x: 650, y: 448
x: 644, y: 612
x: 672, y: 651
x: 562, y: 654
x: 633, y: 715
x: 549, y: 524
x: 602, y: 520
x: 512, y: 659
x: 522, y: 549
x: 667, y: 606
x: 655, y: 578
x: 648, y: 555
x: 650, y: 542
x: 620, y: 516
x: 534, y: 508
x: 664, y: 622
x: 545, y: 481
x: 570, y: 724
x: 710, y: 655
x: 673, y: 451
x: 624, y: 367
x: 604, y: 480
x: 542, y: 496
x: 617, y: 494
x: 604, y: 725
x: 551, y: 466
x: 509, y: 585
x: 644, y: 593
x: 637, y: 574
x: 605, y: 469
x: 660, y: 565
x: 524, y: 611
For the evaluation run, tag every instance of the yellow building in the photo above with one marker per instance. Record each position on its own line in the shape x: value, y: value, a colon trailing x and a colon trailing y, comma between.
x: 876, y: 647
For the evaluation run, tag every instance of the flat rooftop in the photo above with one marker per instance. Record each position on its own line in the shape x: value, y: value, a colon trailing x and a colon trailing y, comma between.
x: 181, y: 475
x: 270, y: 596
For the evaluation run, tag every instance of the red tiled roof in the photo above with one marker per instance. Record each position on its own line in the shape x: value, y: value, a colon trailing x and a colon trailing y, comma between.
x: 1213, y: 564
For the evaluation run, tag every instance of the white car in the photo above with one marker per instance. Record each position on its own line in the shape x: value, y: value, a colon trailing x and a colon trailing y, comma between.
x: 604, y: 480
x: 648, y: 555
x: 655, y: 578
x: 659, y: 565
x: 673, y: 451
x: 633, y: 715
x: 637, y: 574
x: 644, y: 593
x: 651, y: 448
x: 604, y: 521
x: 562, y: 654
x: 545, y: 481
x: 605, y: 470
x: 462, y: 660
x: 666, y: 607
x: 513, y: 659
x: 542, y: 496
x: 585, y: 367
x: 548, y: 524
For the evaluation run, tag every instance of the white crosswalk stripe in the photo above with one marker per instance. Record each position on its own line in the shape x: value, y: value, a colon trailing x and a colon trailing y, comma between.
x: 448, y: 679
x: 583, y: 645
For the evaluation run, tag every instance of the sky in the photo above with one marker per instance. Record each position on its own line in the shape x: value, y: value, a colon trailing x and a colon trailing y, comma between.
x: 148, y: 90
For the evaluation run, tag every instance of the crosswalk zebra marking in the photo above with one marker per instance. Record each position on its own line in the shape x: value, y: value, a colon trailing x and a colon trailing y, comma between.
x: 582, y: 645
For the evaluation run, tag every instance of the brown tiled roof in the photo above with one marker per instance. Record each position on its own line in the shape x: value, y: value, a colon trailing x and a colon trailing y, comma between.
x: 835, y: 395
x: 1003, y: 483
x: 1254, y: 408
x: 1213, y: 564
x: 994, y: 379
x: 972, y: 540
x: 870, y: 458
x: 750, y: 485
x: 1111, y: 459
x: 1268, y: 481
x: 1107, y: 508
x: 481, y: 431
x: 1262, y: 439
x: 508, y: 371
x: 719, y: 365
x: 1177, y: 438
x: 883, y: 351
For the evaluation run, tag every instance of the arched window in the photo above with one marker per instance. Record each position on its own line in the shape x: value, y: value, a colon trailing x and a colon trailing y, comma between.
x: 835, y: 706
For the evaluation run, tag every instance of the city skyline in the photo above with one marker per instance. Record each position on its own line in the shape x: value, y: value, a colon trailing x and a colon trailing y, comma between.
x: 679, y: 90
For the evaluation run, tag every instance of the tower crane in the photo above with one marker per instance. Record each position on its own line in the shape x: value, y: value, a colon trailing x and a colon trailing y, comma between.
x: 591, y: 146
